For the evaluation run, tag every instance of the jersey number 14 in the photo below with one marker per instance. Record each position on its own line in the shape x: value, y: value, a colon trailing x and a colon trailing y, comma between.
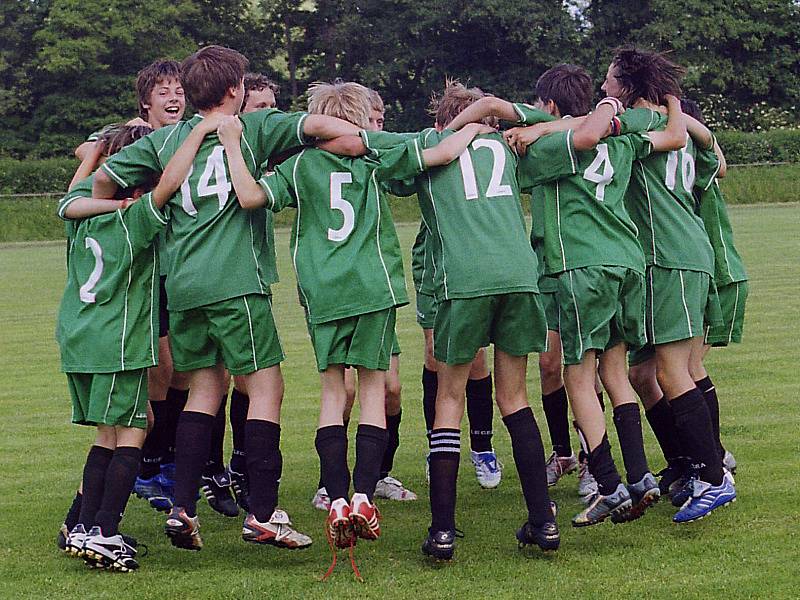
x: 221, y: 188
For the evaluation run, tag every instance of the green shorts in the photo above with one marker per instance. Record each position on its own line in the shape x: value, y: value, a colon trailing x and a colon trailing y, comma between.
x: 599, y: 307
x: 676, y: 304
x: 641, y: 355
x: 363, y: 340
x: 550, y: 305
x: 239, y: 332
x: 395, y: 343
x: 426, y: 310
x: 732, y: 300
x: 114, y: 399
x: 514, y: 323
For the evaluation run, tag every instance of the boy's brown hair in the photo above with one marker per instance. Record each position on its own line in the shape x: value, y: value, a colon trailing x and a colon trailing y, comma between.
x: 116, y: 137
x: 455, y: 98
x: 255, y: 82
x: 209, y: 73
x: 343, y: 99
x: 646, y: 75
x: 146, y: 80
x: 569, y: 87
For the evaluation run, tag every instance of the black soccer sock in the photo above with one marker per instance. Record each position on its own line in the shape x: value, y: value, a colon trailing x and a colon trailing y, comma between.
x: 709, y: 391
x: 216, y: 463
x: 153, y: 448
x: 192, y: 445
x: 694, y: 422
x: 240, y: 404
x: 331, y: 445
x: 526, y: 444
x: 430, y: 386
x: 176, y: 401
x: 662, y: 422
x: 628, y: 422
x: 94, y: 477
x: 370, y: 446
x: 480, y: 409
x: 264, y: 466
x: 74, y: 511
x: 603, y: 469
x: 120, y: 477
x: 445, y: 456
x: 556, y: 412
x: 601, y: 401
x: 392, y: 443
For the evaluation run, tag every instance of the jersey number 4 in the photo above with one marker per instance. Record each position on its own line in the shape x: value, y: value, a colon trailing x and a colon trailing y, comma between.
x: 221, y: 188
x: 600, y: 172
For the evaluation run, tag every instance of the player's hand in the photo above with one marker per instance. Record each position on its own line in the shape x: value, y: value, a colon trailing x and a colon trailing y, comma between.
x: 482, y: 128
x: 138, y: 122
x: 672, y: 99
x: 210, y: 123
x: 519, y: 138
x: 229, y: 130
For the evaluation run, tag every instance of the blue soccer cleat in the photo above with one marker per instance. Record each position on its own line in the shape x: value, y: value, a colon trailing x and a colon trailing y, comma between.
x: 706, y: 498
x: 152, y: 491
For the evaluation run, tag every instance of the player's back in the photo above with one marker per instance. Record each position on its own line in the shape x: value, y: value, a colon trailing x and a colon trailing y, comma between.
x: 108, y: 317
x: 478, y: 233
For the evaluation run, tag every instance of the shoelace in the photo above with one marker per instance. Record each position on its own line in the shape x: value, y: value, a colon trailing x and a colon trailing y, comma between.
x: 351, y: 551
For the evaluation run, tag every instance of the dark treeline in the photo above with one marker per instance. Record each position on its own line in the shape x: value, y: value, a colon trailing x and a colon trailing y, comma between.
x: 67, y: 66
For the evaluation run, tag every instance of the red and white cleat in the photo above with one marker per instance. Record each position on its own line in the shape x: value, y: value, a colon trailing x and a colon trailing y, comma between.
x: 365, y: 517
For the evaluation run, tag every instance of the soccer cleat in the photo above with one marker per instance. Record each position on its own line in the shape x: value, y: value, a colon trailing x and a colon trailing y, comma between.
x: 601, y: 507
x: 338, y: 526
x: 392, y: 489
x: 587, y: 486
x: 277, y: 531
x: 644, y: 494
x: 61, y: 539
x: 673, y: 476
x: 558, y: 466
x: 167, y: 478
x: 545, y: 536
x: 153, y: 491
x: 365, y: 517
x: 706, y: 498
x: 682, y: 488
x: 76, y: 540
x: 729, y: 462
x: 183, y: 531
x: 241, y: 488
x: 488, y: 469
x: 440, y: 545
x: 111, y: 552
x: 321, y: 500
x: 218, y: 493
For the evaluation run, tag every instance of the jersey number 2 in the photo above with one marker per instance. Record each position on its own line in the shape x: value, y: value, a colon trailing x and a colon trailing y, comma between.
x: 86, y: 294
x: 221, y: 188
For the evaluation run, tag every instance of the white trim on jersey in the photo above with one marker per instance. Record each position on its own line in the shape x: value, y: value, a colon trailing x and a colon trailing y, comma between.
x: 685, y: 307
x: 558, y: 220
x: 253, y: 249
x: 441, y: 240
x: 250, y: 327
x: 300, y: 129
x: 652, y: 319
x: 724, y: 246
x: 156, y: 212
x: 650, y: 212
x: 569, y: 150
x: 166, y: 139
x: 120, y: 181
x: 152, y: 303
x: 577, y: 313
x: 265, y: 184
x: 419, y: 155
x: 378, y: 235
x: 383, y: 335
x: 136, y: 399
x: 297, y: 230
x: 127, y: 289
x: 735, y: 308
x: 110, y: 391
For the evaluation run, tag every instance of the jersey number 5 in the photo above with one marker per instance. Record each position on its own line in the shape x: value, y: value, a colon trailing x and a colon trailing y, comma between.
x: 215, y: 167
x: 343, y: 206
x: 495, y: 188
x: 86, y: 294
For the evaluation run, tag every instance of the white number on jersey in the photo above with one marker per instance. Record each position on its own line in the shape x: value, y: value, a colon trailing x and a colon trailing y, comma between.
x: 221, y: 188
x: 343, y: 206
x: 687, y: 169
x: 495, y: 188
x: 602, y: 177
x: 86, y: 294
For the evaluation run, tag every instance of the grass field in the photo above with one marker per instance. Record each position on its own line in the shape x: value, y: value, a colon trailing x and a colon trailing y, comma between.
x: 748, y: 550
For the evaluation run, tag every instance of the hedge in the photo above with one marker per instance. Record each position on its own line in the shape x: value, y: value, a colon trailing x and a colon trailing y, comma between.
x: 53, y: 174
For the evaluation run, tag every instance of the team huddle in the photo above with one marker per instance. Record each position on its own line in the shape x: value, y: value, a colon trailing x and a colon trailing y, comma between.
x: 626, y: 279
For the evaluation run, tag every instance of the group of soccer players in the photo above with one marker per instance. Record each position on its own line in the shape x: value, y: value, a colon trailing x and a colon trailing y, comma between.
x: 630, y: 261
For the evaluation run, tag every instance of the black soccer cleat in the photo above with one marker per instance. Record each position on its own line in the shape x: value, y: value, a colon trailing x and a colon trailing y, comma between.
x: 241, y: 489
x: 440, y: 545
x: 218, y: 493
x: 545, y: 536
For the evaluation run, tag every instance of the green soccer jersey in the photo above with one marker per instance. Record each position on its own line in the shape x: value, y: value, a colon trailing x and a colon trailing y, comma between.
x: 728, y: 264
x: 343, y: 243
x: 660, y: 202
x: 546, y: 284
x: 585, y: 220
x: 108, y: 318
x: 215, y: 250
x: 422, y: 265
x: 473, y: 212
x: 528, y: 115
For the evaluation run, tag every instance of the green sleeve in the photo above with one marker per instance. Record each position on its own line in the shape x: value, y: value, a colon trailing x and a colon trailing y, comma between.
x: 531, y: 116
x: 275, y: 131
x: 277, y: 186
x: 402, y: 162
x: 82, y: 189
x: 706, y: 167
x: 382, y: 140
x: 143, y: 222
x: 638, y: 120
x: 640, y: 144
x: 403, y: 188
x: 551, y: 158
x: 135, y: 164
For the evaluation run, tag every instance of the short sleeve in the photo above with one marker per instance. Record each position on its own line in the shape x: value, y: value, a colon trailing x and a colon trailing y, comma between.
x: 275, y: 131
x: 706, y: 167
x: 638, y: 120
x: 82, y: 189
x: 549, y: 159
x: 402, y: 162
x: 528, y: 115
x: 382, y: 140
x: 135, y: 164
x: 143, y: 222
x: 277, y: 186
x: 641, y: 145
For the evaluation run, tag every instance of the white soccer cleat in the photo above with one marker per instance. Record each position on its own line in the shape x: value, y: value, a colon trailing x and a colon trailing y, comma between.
x: 488, y: 469
x: 392, y: 489
x: 321, y: 500
x: 587, y: 486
